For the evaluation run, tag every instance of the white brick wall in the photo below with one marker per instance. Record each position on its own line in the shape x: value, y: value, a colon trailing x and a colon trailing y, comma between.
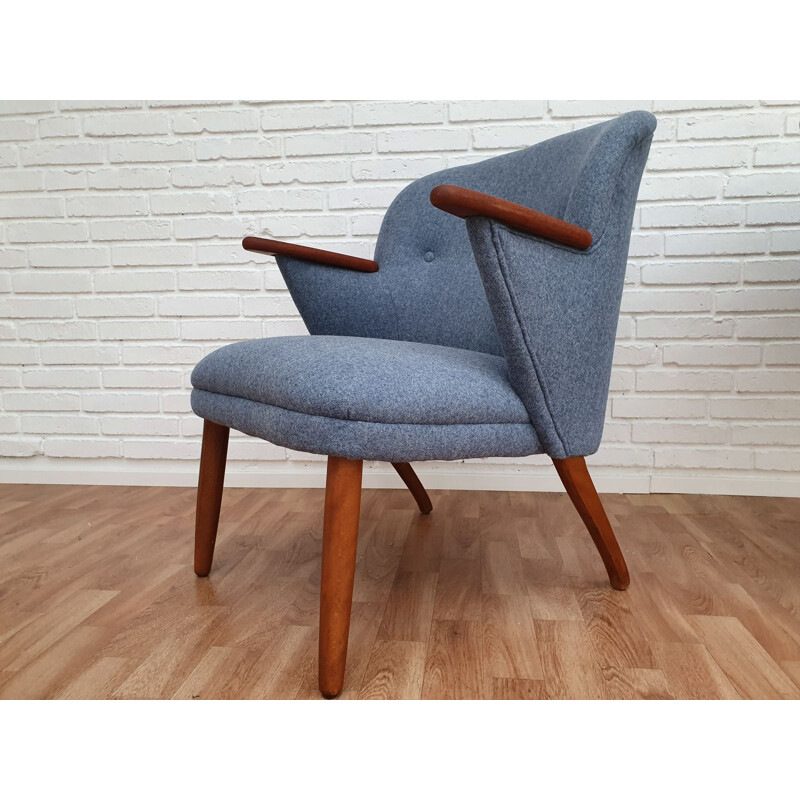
x: 120, y: 267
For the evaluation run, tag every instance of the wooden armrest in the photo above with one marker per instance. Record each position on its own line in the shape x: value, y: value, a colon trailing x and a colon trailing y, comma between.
x: 272, y: 248
x: 467, y: 203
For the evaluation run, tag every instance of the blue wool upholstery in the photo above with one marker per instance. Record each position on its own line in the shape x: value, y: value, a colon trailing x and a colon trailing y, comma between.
x: 471, y: 340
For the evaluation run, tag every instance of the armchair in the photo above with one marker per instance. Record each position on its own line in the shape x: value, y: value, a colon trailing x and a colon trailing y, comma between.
x: 482, y: 328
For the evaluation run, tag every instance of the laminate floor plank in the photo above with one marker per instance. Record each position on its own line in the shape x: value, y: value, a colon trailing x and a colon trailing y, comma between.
x: 496, y: 595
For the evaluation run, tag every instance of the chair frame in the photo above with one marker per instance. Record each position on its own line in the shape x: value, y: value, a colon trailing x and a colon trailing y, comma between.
x: 344, y: 475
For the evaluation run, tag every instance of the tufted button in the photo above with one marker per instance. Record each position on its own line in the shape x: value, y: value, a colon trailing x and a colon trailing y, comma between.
x: 428, y: 256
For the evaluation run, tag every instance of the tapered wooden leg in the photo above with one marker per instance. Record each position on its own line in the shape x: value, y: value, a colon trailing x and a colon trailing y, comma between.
x: 410, y: 479
x: 578, y: 483
x: 209, y: 494
x: 339, y: 540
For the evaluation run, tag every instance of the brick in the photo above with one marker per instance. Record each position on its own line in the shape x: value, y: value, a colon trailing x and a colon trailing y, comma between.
x: 107, y: 205
x: 698, y: 105
x: 239, y: 148
x: 691, y: 216
x: 9, y: 156
x: 98, y: 105
x: 773, y: 154
x: 782, y: 460
x: 115, y: 306
x: 71, y: 354
x: 132, y: 152
x: 493, y: 137
x: 395, y: 169
x: 129, y: 178
x: 658, y: 407
x: 157, y: 255
x: 161, y: 354
x: 684, y: 328
x: 120, y: 402
x: 593, y: 108
x: 665, y: 380
x: 80, y: 257
x: 712, y: 243
x: 415, y: 140
x: 481, y: 110
x: 771, y: 271
x: 53, y: 127
x: 41, y: 401
x: 137, y: 329
x: 753, y: 408
x: 694, y: 458
x: 280, y: 200
x: 22, y: 207
x: 288, y: 226
x: 42, y: 307
x: 691, y: 157
x: 696, y: 272
x: 701, y: 355
x: 680, y: 187
x: 140, y: 124
x: 81, y: 448
x: 72, y: 153
x: 19, y: 448
x: 296, y: 117
x: 218, y: 280
x: 201, y: 176
x: 56, y: 180
x: 763, y: 184
x: 362, y: 196
x: 776, y: 328
x: 750, y: 299
x: 215, y: 329
x: 165, y: 449
x: 666, y: 300
x: 269, y: 306
x: 21, y: 181
x: 51, y: 282
x: 47, y: 231
x: 121, y: 230
x: 18, y: 354
x: 17, y: 107
x: 61, y: 378
x: 214, y: 228
x: 680, y: 432
x: 730, y: 126
x: 329, y: 143
x: 765, y: 434
x: 217, y: 121
x: 785, y: 241
x: 768, y: 381
x: 59, y: 423
x: 80, y: 330
x: 305, y: 172
x: 398, y: 113
x: 129, y: 378
x: 129, y: 281
x: 191, y: 203
x: 782, y: 354
x: 139, y: 426
x: 204, y: 306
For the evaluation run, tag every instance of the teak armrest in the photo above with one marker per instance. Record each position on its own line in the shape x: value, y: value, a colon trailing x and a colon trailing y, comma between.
x: 467, y: 203
x: 273, y: 248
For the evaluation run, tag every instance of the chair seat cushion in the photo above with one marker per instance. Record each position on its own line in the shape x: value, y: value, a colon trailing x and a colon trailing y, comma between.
x: 365, y: 398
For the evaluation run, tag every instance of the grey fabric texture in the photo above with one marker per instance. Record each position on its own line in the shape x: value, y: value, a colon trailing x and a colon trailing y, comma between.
x: 368, y: 380
x: 410, y: 361
x: 377, y: 441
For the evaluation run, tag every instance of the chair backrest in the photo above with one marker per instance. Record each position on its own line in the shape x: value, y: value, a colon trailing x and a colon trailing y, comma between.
x: 426, y: 261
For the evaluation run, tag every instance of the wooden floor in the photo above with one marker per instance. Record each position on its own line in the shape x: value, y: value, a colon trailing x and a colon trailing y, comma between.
x: 494, y: 595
